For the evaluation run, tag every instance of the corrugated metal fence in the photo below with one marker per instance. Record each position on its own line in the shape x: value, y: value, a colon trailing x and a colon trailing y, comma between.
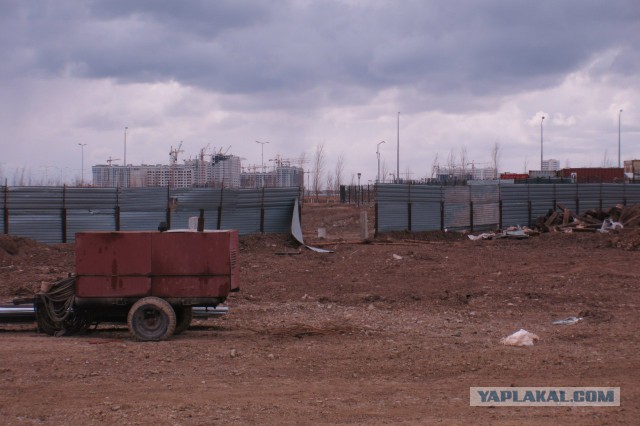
x: 478, y: 207
x: 55, y: 214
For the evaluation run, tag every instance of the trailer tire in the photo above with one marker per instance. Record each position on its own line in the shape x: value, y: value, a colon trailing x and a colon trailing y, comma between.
x: 151, y: 319
x: 183, y: 318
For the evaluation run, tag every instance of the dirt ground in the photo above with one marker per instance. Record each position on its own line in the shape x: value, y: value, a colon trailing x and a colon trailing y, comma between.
x: 392, y: 330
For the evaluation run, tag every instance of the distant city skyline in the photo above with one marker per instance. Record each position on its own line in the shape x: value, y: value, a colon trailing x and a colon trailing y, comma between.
x: 133, y: 80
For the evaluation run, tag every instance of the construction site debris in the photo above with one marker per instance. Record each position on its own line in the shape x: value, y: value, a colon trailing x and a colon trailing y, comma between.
x: 599, y: 220
x: 514, y: 234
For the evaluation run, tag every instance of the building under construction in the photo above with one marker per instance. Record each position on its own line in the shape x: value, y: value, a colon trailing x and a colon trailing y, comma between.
x: 218, y: 171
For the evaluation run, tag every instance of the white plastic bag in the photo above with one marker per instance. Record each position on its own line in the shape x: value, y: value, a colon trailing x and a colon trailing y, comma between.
x: 520, y: 338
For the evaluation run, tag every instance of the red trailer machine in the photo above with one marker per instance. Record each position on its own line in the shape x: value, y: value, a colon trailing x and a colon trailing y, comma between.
x: 151, y: 280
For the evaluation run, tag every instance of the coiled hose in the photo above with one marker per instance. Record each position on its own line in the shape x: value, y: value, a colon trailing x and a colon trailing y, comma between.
x: 54, y: 309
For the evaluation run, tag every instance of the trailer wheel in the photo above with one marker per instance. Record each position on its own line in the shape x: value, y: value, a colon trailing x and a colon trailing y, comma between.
x: 183, y: 318
x: 151, y: 319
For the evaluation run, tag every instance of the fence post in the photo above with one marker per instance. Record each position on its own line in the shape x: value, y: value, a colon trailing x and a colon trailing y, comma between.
x: 6, y: 207
x: 201, y: 221
x: 262, y: 212
x: 117, y: 210
x: 64, y: 214
x: 442, y: 215
x: 600, y: 204
x: 409, y: 210
x: 168, y: 207
x: 219, y: 224
x: 529, y: 211
x: 500, y: 213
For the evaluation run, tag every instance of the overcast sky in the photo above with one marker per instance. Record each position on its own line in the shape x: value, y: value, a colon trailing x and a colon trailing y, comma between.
x: 463, y: 74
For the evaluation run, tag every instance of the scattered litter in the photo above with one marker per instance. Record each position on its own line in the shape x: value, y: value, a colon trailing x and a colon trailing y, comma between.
x: 567, y: 321
x: 515, y: 234
x: 609, y: 225
x: 520, y: 338
x: 397, y: 257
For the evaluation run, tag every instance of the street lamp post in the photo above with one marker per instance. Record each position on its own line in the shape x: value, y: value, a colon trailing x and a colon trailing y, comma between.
x: 541, y: 144
x: 125, y: 146
x: 262, y: 146
x: 398, y: 152
x: 82, y: 145
x: 378, y: 154
x: 619, y: 121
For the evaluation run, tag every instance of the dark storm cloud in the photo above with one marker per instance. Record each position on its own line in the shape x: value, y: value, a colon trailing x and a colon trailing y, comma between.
x: 476, y: 48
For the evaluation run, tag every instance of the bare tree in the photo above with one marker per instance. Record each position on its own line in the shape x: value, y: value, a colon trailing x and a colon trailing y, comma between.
x: 318, y: 168
x: 408, y: 173
x: 495, y: 158
x: 384, y: 170
x: 330, y: 184
x: 435, y: 167
x: 451, y: 163
x: 339, y: 172
x: 526, y: 165
x: 606, y: 161
x: 19, y: 178
x: 463, y: 161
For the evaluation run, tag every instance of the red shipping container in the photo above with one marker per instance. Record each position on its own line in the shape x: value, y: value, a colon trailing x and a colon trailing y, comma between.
x: 168, y: 264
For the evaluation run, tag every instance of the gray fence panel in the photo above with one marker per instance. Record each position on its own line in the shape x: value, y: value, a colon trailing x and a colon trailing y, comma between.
x: 393, y: 207
x: 457, y: 207
x: 425, y: 207
x: 542, y: 198
x: 612, y: 194
x: 632, y: 193
x: 589, y: 195
x: 566, y: 196
x: 425, y: 216
x: 36, y: 212
x: 90, y: 209
x: 92, y: 200
x: 142, y: 209
x: 43, y: 225
x: 515, y: 204
x: 486, y: 205
x: 247, y: 221
x: 81, y: 221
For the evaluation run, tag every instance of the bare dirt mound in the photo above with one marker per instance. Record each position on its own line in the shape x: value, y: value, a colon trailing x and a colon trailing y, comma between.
x: 25, y: 264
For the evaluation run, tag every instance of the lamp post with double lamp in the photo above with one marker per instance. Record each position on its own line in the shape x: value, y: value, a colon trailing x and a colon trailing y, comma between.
x: 619, y: 121
x: 378, y: 154
x: 82, y: 145
x: 541, y: 149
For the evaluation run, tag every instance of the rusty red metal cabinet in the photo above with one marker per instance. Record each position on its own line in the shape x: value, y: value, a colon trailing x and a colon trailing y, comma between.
x: 193, y: 266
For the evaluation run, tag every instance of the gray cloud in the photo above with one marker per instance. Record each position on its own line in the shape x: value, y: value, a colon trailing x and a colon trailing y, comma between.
x: 252, y: 47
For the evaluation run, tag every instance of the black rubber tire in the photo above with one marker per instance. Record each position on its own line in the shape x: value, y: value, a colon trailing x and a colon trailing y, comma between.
x: 151, y: 319
x: 183, y: 318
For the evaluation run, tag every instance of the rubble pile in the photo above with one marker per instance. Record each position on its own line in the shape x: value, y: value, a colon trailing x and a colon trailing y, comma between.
x: 613, y: 218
